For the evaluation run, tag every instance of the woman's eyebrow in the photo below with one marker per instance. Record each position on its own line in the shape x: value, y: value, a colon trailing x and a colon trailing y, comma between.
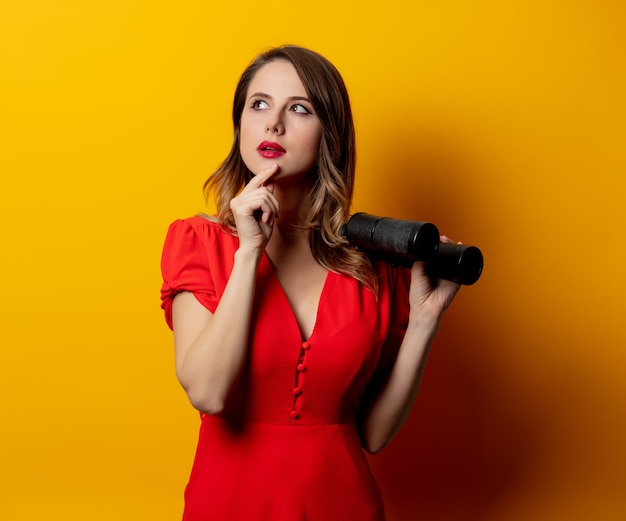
x: 260, y: 95
x: 268, y: 96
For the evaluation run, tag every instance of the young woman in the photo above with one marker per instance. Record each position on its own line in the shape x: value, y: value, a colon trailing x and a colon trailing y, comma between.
x: 298, y: 351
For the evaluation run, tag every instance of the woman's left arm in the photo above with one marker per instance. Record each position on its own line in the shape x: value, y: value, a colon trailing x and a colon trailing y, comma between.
x: 392, y: 404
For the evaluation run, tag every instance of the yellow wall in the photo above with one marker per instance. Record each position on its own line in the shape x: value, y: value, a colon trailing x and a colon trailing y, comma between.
x: 501, y: 122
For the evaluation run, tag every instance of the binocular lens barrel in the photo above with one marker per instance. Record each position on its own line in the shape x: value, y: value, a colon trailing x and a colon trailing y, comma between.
x: 457, y: 262
x: 405, y: 242
x: 408, y: 240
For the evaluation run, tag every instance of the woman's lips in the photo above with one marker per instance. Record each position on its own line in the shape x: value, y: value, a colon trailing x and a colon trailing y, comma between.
x: 270, y: 150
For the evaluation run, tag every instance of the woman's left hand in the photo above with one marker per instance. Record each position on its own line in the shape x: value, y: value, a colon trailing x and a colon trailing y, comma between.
x: 427, y: 296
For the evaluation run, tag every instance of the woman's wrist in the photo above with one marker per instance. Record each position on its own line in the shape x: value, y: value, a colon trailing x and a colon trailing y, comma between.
x: 246, y: 254
x: 424, y: 321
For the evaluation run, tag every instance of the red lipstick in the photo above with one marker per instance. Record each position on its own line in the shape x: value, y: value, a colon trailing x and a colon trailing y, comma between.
x: 270, y: 150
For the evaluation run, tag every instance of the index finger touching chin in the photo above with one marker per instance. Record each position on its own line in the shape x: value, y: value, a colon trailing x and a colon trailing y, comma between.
x: 264, y: 175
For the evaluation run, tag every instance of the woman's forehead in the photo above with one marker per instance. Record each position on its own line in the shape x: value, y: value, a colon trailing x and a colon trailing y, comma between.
x: 277, y: 77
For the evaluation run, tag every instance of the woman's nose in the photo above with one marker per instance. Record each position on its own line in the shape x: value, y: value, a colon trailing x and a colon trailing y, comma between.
x: 274, y: 126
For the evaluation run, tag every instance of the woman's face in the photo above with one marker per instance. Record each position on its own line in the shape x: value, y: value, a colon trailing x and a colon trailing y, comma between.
x: 278, y: 124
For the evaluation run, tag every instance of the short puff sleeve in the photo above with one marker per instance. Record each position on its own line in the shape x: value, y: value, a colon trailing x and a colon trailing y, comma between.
x: 185, y: 267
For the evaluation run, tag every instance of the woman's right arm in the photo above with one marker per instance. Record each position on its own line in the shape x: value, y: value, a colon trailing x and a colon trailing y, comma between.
x: 210, y: 348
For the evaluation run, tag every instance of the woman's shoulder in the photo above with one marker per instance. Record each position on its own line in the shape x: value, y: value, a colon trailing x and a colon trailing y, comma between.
x: 392, y: 277
x: 198, y: 234
x: 202, y: 225
x: 199, y: 221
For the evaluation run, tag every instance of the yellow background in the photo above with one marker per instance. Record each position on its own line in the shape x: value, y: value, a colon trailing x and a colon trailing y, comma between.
x: 501, y: 122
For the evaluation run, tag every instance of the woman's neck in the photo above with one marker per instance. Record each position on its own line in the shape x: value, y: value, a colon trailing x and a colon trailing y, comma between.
x: 292, y: 195
x: 290, y: 231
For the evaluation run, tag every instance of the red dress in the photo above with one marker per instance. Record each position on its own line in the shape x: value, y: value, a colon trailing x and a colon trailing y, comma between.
x: 286, y: 446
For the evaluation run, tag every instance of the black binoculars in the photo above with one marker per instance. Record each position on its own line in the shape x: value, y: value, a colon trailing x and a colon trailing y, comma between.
x: 405, y: 242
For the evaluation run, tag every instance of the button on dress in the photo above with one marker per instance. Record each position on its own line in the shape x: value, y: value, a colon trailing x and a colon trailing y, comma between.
x: 286, y: 446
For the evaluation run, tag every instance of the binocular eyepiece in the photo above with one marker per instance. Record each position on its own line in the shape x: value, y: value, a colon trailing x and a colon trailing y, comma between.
x: 405, y: 242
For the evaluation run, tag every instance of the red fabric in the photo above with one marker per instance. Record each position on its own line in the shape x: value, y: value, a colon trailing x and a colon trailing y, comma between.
x: 286, y: 446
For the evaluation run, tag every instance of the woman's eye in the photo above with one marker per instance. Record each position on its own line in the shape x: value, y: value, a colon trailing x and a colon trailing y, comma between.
x: 259, y: 104
x: 300, y: 109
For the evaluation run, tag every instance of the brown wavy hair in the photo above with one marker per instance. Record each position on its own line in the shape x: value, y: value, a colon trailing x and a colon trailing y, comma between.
x: 330, y: 199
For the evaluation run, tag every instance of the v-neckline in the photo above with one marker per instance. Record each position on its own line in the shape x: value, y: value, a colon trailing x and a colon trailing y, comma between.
x: 294, y: 320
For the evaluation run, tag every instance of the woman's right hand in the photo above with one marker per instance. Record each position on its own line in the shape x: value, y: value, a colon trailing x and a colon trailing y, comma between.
x: 254, y: 210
